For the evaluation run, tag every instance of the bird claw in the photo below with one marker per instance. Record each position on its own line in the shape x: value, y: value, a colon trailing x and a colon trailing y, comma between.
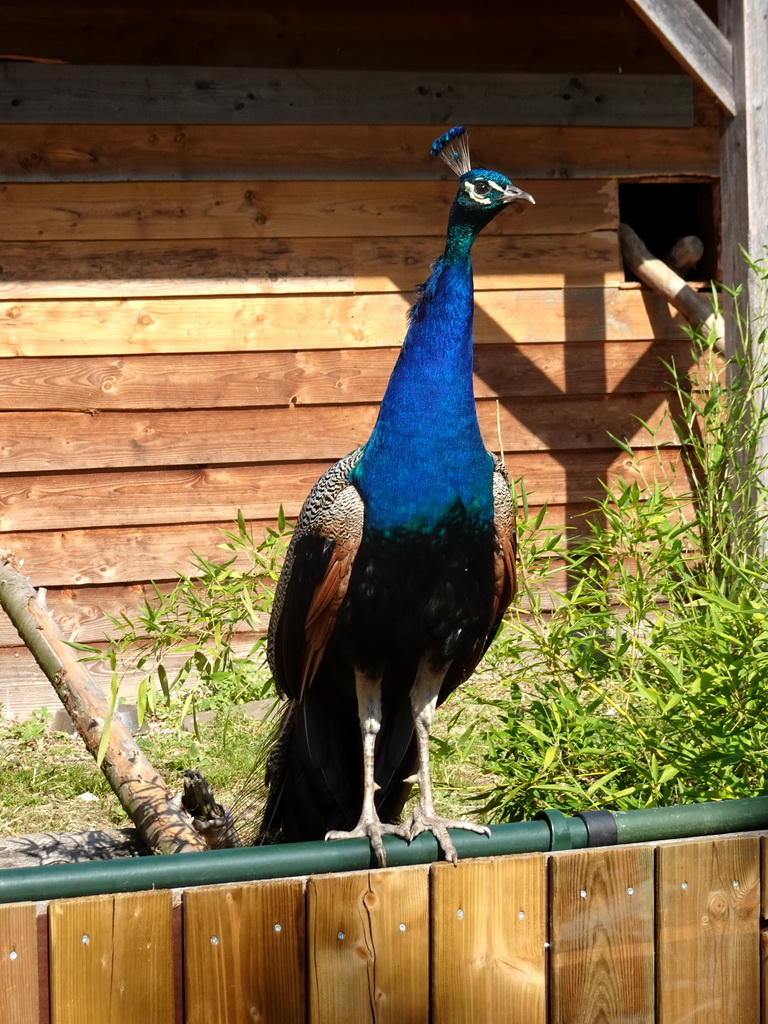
x: 420, y: 822
x: 373, y: 830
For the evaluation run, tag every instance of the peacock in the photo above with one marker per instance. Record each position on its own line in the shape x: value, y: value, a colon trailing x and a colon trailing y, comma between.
x: 400, y: 568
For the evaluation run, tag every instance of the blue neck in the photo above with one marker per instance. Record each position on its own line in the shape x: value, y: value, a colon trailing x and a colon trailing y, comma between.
x: 425, y: 458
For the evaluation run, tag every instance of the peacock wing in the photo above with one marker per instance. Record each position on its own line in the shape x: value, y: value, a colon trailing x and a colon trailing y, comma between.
x: 315, y: 578
x: 505, y: 547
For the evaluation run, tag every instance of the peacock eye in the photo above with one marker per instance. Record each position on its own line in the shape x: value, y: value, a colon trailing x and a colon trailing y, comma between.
x: 482, y: 188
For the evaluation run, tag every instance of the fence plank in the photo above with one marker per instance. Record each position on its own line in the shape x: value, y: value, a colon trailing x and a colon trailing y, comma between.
x: 707, y: 931
x: 244, y: 953
x: 104, y: 94
x: 19, y: 983
x: 278, y: 323
x: 489, y: 929
x: 112, y: 959
x: 285, y: 209
x: 110, y: 152
x: 110, y: 269
x: 602, y: 955
x: 368, y: 947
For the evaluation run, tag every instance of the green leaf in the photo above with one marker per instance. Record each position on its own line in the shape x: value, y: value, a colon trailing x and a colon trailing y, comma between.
x: 549, y: 757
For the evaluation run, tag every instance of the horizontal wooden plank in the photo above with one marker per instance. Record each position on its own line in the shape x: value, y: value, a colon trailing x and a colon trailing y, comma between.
x: 111, y: 269
x: 152, y: 496
x: 24, y: 688
x: 278, y: 323
x: 108, y: 94
x: 284, y: 209
x: 60, y: 153
x: 224, y: 380
x: 301, y: 35
x: 83, y: 613
x: 61, y: 441
x: 129, y: 554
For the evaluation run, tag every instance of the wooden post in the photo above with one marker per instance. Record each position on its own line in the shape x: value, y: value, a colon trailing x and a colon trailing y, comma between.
x: 744, y: 143
x: 744, y: 181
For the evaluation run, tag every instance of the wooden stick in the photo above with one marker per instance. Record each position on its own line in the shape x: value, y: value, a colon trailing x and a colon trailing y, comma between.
x: 137, y: 785
x: 685, y: 253
x: 657, y: 275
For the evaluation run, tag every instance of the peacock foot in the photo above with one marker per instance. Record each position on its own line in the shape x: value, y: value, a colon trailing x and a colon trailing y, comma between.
x: 420, y: 822
x: 373, y: 829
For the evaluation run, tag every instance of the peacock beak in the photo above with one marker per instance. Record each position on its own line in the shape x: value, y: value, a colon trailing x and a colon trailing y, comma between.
x: 513, y: 194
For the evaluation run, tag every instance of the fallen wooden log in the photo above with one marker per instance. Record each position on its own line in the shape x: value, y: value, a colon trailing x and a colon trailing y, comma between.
x: 45, y: 848
x: 161, y: 822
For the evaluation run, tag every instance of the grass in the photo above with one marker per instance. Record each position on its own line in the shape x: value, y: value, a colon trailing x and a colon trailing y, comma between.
x: 50, y: 783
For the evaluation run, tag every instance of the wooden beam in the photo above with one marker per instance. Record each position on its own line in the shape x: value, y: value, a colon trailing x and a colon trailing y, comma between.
x: 104, y: 94
x: 695, y: 41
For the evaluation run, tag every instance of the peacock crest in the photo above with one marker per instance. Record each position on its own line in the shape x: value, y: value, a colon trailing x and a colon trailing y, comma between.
x: 453, y: 149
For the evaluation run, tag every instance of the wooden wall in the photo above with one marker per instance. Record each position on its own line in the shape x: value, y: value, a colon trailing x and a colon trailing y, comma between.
x: 664, y: 934
x: 205, y: 265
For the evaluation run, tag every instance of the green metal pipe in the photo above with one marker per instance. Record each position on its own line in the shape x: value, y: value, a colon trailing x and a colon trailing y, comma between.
x: 552, y: 831
x: 57, y: 881
x: 688, y: 820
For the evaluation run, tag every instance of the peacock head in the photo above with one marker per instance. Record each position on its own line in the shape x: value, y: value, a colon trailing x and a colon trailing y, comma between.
x: 482, y: 194
x: 489, y: 191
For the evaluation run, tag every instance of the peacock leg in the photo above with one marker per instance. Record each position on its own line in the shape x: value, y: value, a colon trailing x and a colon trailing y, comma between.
x: 424, y: 694
x: 368, y: 690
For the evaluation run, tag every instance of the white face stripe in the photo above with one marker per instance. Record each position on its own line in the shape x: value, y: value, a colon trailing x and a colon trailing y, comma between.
x: 494, y: 185
x: 470, y: 189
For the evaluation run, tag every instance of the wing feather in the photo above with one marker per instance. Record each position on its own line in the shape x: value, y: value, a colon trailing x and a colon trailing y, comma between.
x: 315, y: 578
x: 505, y: 550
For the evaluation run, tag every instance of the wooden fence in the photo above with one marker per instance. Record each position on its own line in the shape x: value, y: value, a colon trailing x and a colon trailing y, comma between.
x: 668, y: 932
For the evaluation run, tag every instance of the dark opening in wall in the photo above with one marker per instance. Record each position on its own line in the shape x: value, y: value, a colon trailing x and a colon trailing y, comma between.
x: 663, y: 213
